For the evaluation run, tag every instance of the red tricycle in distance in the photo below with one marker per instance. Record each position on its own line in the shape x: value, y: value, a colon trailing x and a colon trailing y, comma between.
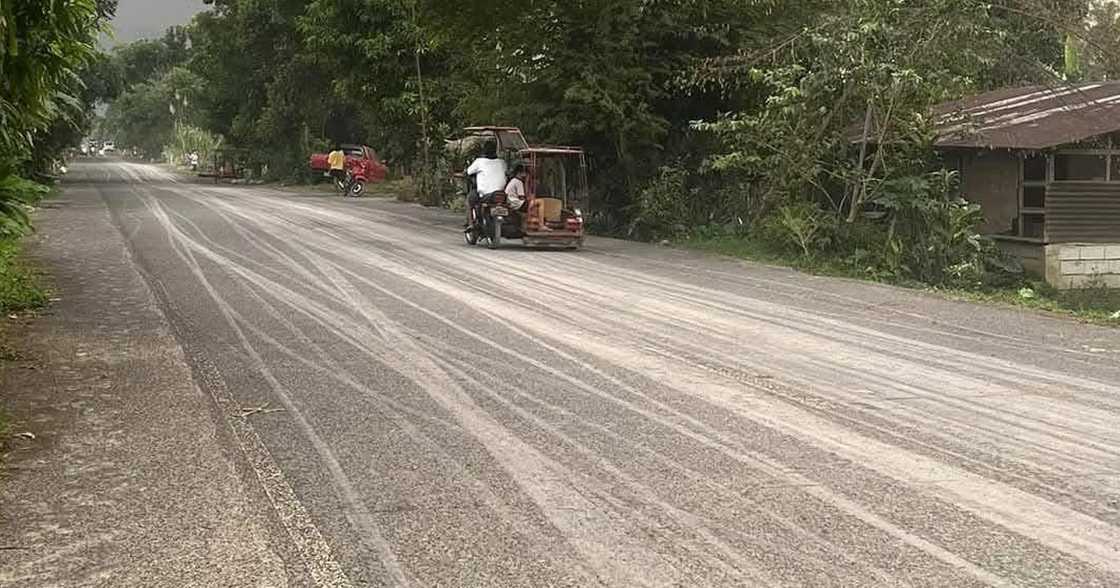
x: 556, y: 188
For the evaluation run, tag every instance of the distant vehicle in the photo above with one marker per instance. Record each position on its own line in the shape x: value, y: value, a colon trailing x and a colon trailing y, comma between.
x: 362, y: 164
x: 108, y: 149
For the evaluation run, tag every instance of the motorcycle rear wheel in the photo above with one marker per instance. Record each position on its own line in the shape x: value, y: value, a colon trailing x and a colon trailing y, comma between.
x: 496, y: 237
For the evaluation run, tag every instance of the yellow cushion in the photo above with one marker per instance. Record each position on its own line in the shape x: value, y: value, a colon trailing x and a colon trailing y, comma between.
x: 550, y: 208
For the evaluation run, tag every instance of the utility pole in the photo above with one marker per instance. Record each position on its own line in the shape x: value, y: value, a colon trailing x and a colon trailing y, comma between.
x: 423, y: 104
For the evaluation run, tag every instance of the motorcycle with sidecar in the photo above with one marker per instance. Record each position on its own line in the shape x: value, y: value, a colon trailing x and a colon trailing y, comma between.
x: 556, y: 188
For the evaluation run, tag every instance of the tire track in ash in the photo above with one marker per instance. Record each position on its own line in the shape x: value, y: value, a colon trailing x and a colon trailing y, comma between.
x: 959, y: 384
x: 808, y: 358
x: 840, y: 554
x: 593, y: 391
x: 1063, y: 532
x: 613, y: 555
x: 359, y: 516
x: 724, y: 493
x: 791, y: 291
x: 354, y: 299
x: 310, y: 546
x: 490, y: 300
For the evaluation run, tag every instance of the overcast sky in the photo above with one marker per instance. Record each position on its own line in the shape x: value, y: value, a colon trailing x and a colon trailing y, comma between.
x: 138, y: 19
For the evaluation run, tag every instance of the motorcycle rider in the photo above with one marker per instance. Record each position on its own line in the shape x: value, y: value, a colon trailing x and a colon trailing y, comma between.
x: 489, y: 172
x: 336, y: 159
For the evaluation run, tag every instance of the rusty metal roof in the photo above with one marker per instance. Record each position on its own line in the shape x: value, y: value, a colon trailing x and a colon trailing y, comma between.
x: 557, y: 149
x: 488, y: 128
x: 1032, y: 118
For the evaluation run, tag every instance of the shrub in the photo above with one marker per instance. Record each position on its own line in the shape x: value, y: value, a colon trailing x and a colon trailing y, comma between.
x: 931, y: 234
x: 17, y: 195
x: 663, y: 209
x: 806, y: 227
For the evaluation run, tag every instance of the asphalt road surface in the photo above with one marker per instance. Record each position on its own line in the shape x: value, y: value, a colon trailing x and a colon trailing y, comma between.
x: 628, y: 415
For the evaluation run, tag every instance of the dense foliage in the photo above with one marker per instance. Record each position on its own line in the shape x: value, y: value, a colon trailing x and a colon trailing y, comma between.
x: 754, y: 118
x: 45, y: 50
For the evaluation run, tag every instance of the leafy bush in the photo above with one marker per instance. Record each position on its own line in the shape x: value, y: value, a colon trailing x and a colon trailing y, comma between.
x: 931, y: 234
x: 663, y: 208
x: 806, y: 226
x: 433, y: 186
x: 18, y: 289
x: 913, y: 230
x: 17, y: 195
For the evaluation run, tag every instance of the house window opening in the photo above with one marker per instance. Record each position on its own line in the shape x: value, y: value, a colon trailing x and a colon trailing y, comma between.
x: 1079, y: 167
x: 1031, y: 221
x: 1033, y: 226
x: 1034, y: 197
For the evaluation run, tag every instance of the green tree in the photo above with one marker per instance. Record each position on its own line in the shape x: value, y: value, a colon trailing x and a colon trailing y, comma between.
x: 611, y: 75
x: 142, y: 60
x: 43, y: 48
x: 786, y: 87
x: 144, y: 117
x: 261, y: 91
x: 1099, y: 42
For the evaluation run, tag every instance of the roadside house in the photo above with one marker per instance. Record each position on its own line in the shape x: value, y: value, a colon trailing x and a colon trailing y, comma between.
x: 1044, y: 164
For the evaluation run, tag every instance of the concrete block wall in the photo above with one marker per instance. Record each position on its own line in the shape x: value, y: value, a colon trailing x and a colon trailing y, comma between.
x: 1076, y: 265
x: 1031, y: 255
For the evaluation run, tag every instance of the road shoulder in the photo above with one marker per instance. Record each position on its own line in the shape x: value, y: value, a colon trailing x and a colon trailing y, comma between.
x: 125, y: 482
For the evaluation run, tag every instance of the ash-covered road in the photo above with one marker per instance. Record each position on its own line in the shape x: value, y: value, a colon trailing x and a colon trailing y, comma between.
x: 437, y: 415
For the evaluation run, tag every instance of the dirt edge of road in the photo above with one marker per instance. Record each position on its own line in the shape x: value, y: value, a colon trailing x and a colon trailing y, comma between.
x: 263, y: 478
x: 122, y: 478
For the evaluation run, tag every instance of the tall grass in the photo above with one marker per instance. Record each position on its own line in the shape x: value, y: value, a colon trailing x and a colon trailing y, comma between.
x: 188, y: 139
x: 19, y: 288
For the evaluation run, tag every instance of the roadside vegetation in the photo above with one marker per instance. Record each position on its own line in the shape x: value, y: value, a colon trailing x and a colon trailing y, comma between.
x: 20, y: 289
x: 48, y: 88
x: 792, y: 129
x: 1096, y: 303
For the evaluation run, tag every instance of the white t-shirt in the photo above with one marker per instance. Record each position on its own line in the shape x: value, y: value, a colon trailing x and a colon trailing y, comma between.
x: 515, y: 192
x: 491, y: 175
